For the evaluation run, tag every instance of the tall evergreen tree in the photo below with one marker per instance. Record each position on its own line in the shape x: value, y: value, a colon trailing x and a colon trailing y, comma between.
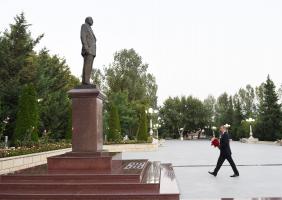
x: 27, y: 116
x: 142, y: 134
x: 269, y: 124
x: 114, y: 134
x: 16, y: 65
x: 53, y: 81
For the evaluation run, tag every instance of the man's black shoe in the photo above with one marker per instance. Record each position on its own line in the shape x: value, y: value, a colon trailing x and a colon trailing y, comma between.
x: 212, y: 173
x: 234, y: 175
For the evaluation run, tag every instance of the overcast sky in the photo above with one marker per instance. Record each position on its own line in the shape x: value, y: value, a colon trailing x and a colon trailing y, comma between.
x: 197, y: 47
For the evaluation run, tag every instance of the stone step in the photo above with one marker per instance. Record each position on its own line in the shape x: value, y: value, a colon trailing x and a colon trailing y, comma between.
x: 86, y: 183
x: 135, y: 196
x: 72, y: 178
x: 40, y: 174
x: 158, y: 183
x: 78, y: 188
x: 97, y: 161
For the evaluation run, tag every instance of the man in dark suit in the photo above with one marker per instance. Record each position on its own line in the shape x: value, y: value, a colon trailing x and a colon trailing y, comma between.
x: 88, y: 51
x: 225, y: 153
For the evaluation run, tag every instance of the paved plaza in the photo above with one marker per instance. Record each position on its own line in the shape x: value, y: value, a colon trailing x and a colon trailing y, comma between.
x: 260, y: 167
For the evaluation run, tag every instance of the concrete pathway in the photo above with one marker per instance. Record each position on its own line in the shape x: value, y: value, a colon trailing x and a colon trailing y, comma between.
x: 260, y: 167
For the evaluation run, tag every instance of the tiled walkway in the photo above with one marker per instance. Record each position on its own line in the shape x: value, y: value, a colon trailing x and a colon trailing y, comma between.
x: 260, y: 168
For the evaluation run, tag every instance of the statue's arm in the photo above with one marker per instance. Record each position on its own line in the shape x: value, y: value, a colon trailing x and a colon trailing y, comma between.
x: 83, y: 35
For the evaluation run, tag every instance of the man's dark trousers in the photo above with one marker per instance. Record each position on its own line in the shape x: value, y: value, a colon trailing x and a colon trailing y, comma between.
x: 221, y: 160
x: 225, y: 153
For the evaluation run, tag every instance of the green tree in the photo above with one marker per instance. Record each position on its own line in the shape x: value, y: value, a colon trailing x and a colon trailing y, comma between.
x: 129, y: 74
x: 128, y: 113
x: 114, y: 134
x: 230, y: 111
x: 237, y: 130
x: 98, y: 78
x: 128, y: 84
x: 280, y: 93
x: 222, y: 107
x: 185, y: 112
x: 142, y: 134
x: 53, y: 81
x: 27, y: 116
x: 195, y: 115
x: 171, y: 116
x: 209, y: 105
x: 247, y: 100
x: 17, y: 65
x: 269, y: 120
x: 50, y: 75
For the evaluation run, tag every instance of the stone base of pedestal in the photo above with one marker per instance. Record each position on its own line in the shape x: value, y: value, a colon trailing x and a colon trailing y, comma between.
x: 99, y: 161
x: 87, y: 119
x: 133, y: 179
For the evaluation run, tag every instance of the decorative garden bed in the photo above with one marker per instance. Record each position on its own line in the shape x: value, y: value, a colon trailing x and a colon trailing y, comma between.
x: 33, y: 149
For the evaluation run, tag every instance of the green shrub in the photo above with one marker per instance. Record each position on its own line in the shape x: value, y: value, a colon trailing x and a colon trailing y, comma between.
x: 27, y: 119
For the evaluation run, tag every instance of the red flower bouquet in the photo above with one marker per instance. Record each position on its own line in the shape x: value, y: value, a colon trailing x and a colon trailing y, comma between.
x: 215, y: 142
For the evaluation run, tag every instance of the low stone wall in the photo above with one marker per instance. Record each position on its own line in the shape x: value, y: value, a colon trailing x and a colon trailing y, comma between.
x: 14, y: 163
x: 130, y: 147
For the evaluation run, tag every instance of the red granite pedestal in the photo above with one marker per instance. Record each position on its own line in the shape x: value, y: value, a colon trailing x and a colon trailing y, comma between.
x: 88, y: 172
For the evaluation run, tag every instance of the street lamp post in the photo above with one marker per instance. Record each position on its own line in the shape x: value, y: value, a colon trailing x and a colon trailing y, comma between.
x: 6, y: 142
x: 251, y: 120
x: 150, y: 111
x: 157, y: 126
x: 181, y: 133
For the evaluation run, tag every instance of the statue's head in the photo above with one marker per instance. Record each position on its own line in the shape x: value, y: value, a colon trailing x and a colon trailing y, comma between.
x: 89, y: 21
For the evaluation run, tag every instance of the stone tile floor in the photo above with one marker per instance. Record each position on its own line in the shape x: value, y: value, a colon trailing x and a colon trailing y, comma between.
x: 260, y: 167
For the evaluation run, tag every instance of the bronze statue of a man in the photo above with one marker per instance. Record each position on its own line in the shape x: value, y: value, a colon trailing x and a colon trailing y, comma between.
x: 88, y: 51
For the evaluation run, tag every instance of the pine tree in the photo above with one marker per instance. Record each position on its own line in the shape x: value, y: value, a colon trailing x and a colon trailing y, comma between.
x: 53, y: 81
x: 142, y: 134
x: 269, y: 124
x: 27, y: 117
x: 114, y: 134
x: 17, y: 65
